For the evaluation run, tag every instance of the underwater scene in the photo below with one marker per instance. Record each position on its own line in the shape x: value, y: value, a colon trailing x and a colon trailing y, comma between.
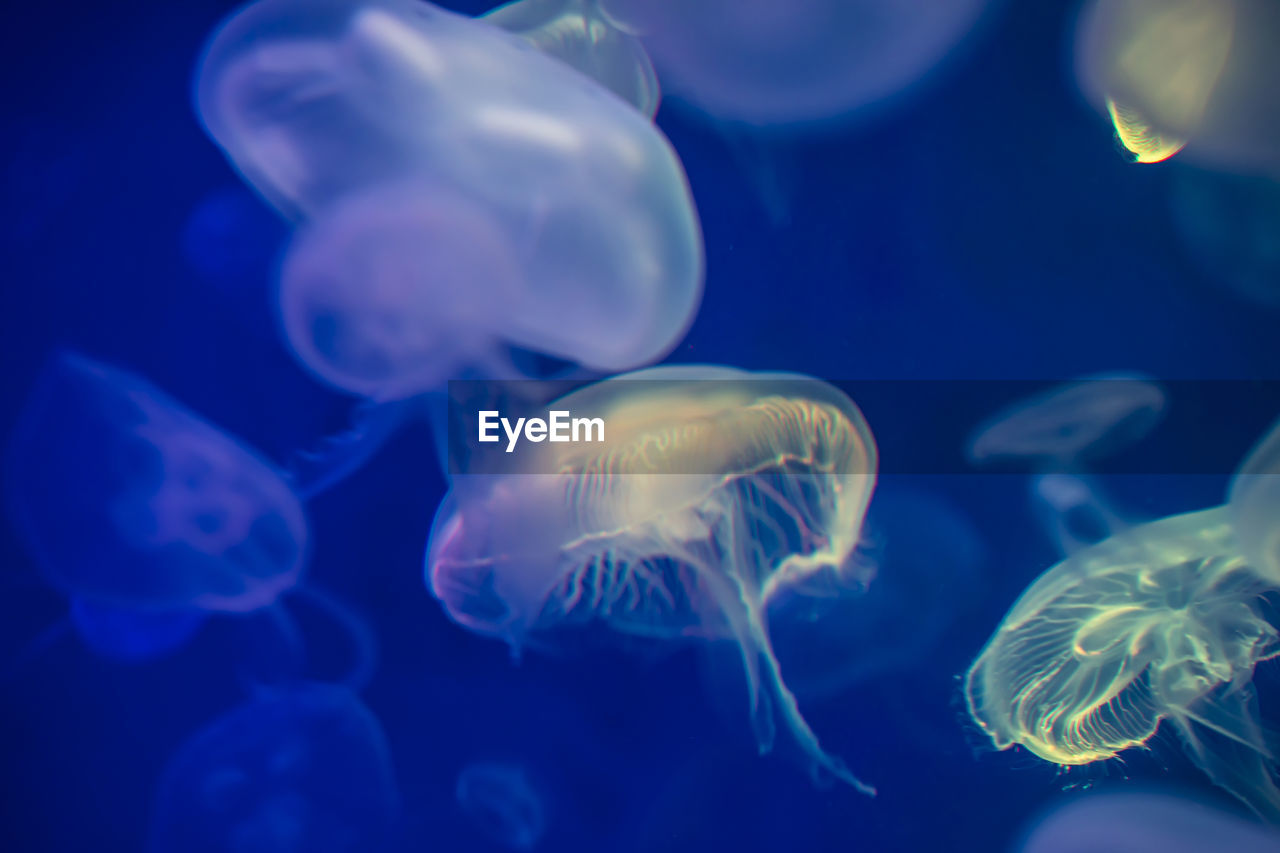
x: 640, y: 425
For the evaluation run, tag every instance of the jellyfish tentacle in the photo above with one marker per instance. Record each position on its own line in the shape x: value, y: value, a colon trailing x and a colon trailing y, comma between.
x: 313, y: 471
x: 364, y: 645
x: 1225, y: 740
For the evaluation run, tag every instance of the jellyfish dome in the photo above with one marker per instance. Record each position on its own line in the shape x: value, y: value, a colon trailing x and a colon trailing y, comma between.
x: 1145, y: 823
x: 788, y: 61
x: 578, y: 34
x: 1088, y: 419
x: 713, y: 491
x: 127, y: 498
x: 1186, y: 73
x: 502, y: 801
x: 1164, y: 621
x: 397, y: 289
x: 1255, y: 505
x: 305, y: 768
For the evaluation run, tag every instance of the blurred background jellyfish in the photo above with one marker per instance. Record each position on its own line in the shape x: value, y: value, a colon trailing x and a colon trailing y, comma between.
x: 1145, y: 823
x: 1230, y: 228
x: 304, y: 768
x: 502, y: 801
x: 714, y: 491
x: 830, y: 640
x: 1255, y: 505
x: 1072, y: 423
x: 1074, y: 511
x: 787, y: 61
x: 149, y: 517
x: 1193, y: 73
x: 1163, y: 622
x: 578, y: 34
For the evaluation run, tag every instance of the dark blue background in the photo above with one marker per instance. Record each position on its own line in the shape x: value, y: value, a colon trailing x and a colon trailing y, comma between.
x: 987, y: 228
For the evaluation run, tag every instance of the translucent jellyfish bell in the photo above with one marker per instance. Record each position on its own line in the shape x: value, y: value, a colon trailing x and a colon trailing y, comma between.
x: 127, y: 498
x: 1164, y: 622
x: 314, y: 99
x: 783, y: 61
x: 304, y: 768
x: 576, y: 33
x: 129, y: 635
x: 1194, y: 73
x: 395, y: 290
x: 1145, y: 823
x: 1074, y: 511
x: 1075, y: 421
x: 502, y: 801
x: 714, y: 491
x: 1255, y: 505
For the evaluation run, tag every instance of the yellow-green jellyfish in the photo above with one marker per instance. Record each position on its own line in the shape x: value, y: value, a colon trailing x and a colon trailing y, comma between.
x: 1163, y: 622
x: 714, y: 491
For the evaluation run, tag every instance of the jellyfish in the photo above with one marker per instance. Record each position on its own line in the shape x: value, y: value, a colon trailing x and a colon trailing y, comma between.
x: 1193, y: 74
x: 1070, y: 423
x: 305, y: 768
x: 230, y: 237
x: 1255, y: 505
x: 1230, y: 228
x: 1162, y: 623
x: 713, y: 492
x: 578, y: 34
x: 780, y: 61
x: 835, y: 639
x: 142, y: 512
x: 312, y: 100
x: 502, y: 801
x: 395, y: 291
x: 1074, y: 511
x: 1145, y: 823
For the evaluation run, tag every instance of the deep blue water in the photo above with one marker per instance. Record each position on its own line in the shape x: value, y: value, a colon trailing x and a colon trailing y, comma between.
x: 986, y: 228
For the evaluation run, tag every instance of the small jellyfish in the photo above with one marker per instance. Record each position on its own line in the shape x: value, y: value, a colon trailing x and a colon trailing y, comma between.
x: 305, y: 768
x: 502, y: 801
x: 1070, y: 423
x: 579, y: 35
x: 1230, y: 228
x: 1074, y: 511
x: 129, y: 635
x: 149, y: 518
x: 1164, y: 622
x: 1255, y: 505
x: 230, y: 238
x: 789, y: 61
x: 834, y: 639
x: 714, y: 491
x: 1145, y: 823
x: 126, y: 497
x: 1186, y: 73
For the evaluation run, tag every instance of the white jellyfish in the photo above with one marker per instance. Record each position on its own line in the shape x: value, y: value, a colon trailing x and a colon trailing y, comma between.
x: 1255, y: 505
x: 712, y: 492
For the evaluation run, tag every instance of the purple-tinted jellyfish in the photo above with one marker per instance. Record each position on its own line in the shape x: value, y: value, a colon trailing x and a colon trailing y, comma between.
x: 1071, y: 423
x: 783, y: 61
x: 710, y: 493
x: 299, y: 770
x: 1197, y: 74
x: 502, y: 801
x: 1145, y: 823
x: 127, y: 498
x: 579, y: 35
x: 149, y: 518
